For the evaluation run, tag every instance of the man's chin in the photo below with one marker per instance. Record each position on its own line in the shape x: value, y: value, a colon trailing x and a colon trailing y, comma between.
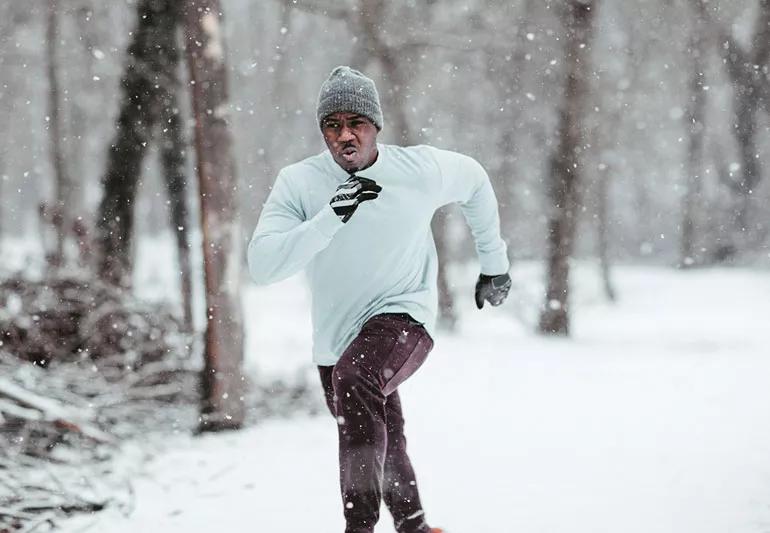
x: 348, y: 165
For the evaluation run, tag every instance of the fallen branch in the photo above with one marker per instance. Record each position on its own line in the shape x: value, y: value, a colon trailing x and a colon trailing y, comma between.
x: 36, y: 525
x: 18, y: 411
x: 52, y: 411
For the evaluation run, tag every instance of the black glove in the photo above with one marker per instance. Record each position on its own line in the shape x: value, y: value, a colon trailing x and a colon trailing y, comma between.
x: 493, y: 289
x: 355, y: 190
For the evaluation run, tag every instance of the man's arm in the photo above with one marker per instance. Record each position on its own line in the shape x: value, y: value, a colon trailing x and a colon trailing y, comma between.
x: 284, y: 242
x: 464, y: 180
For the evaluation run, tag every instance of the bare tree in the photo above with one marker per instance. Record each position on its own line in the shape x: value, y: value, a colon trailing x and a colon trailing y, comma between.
x: 222, y: 379
x: 748, y: 73
x: 611, y: 101
x: 695, y: 117
x: 150, y: 75
x: 60, y: 210
x: 566, y: 166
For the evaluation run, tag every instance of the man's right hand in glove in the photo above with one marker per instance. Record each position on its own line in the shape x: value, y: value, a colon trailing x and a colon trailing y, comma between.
x: 355, y: 190
x: 493, y: 289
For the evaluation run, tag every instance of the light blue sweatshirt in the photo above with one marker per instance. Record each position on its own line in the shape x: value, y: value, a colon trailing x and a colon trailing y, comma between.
x: 383, y: 260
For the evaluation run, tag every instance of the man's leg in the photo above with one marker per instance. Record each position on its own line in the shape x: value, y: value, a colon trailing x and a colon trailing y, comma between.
x: 400, y: 489
x: 400, y: 486
x: 388, y: 350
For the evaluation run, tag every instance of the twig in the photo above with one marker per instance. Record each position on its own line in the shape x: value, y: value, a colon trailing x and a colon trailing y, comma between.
x: 16, y: 513
x: 48, y: 519
x: 19, y: 411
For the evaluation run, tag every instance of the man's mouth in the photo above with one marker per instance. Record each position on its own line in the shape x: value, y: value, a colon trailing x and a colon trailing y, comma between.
x: 349, y: 153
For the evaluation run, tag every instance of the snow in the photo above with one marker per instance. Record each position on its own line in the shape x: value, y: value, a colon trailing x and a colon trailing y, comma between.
x: 652, y: 418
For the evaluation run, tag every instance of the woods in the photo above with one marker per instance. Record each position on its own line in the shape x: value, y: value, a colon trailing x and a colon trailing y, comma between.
x: 140, y: 140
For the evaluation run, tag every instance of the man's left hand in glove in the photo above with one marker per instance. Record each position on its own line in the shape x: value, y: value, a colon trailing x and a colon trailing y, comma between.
x: 493, y: 289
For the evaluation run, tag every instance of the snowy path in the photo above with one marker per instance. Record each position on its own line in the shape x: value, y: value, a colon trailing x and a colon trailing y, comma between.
x: 654, y: 419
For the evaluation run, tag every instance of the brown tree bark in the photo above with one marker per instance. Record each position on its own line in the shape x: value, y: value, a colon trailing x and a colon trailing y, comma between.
x: 152, y: 61
x: 60, y: 214
x: 222, y: 380
x: 695, y: 117
x: 565, y: 166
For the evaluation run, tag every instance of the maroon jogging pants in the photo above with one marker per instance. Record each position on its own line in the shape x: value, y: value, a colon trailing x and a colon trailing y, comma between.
x: 361, y: 393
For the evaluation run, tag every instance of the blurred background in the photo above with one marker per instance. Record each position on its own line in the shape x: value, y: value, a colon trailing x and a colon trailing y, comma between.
x: 674, y: 133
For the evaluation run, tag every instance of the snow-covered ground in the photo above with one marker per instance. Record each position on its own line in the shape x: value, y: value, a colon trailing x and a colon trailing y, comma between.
x: 653, y: 418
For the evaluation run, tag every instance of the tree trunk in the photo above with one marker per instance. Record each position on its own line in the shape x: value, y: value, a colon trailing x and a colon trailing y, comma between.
x: 603, y: 231
x: 222, y: 379
x: 86, y: 111
x: 747, y: 72
x: 746, y: 106
x: 695, y: 125
x: 3, y: 165
x: 60, y: 211
x: 152, y: 60
x: 565, y: 167
x: 173, y: 160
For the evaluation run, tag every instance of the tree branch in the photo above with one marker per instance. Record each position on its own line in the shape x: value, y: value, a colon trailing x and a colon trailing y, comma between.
x: 50, y: 410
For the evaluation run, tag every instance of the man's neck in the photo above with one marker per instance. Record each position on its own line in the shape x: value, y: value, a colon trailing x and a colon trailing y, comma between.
x: 367, y: 165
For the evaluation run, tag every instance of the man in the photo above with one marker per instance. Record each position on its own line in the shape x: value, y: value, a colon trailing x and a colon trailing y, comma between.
x: 357, y: 218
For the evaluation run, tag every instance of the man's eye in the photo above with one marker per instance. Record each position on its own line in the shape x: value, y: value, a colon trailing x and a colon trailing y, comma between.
x: 356, y: 123
x: 331, y: 124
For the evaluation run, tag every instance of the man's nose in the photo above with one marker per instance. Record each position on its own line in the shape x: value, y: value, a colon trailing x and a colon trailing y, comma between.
x: 345, y: 134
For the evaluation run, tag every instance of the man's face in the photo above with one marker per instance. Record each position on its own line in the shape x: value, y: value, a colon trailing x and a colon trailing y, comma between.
x: 351, y: 139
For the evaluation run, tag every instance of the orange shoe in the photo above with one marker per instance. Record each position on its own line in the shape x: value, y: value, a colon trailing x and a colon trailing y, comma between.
x: 437, y: 530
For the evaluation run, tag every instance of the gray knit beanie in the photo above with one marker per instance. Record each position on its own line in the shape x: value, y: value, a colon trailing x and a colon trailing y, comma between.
x: 350, y: 91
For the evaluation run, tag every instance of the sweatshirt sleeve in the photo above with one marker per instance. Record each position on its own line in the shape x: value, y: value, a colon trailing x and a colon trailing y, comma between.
x: 464, y: 181
x: 284, y: 241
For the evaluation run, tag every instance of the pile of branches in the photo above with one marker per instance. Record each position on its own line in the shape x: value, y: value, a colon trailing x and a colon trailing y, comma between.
x: 83, y: 366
